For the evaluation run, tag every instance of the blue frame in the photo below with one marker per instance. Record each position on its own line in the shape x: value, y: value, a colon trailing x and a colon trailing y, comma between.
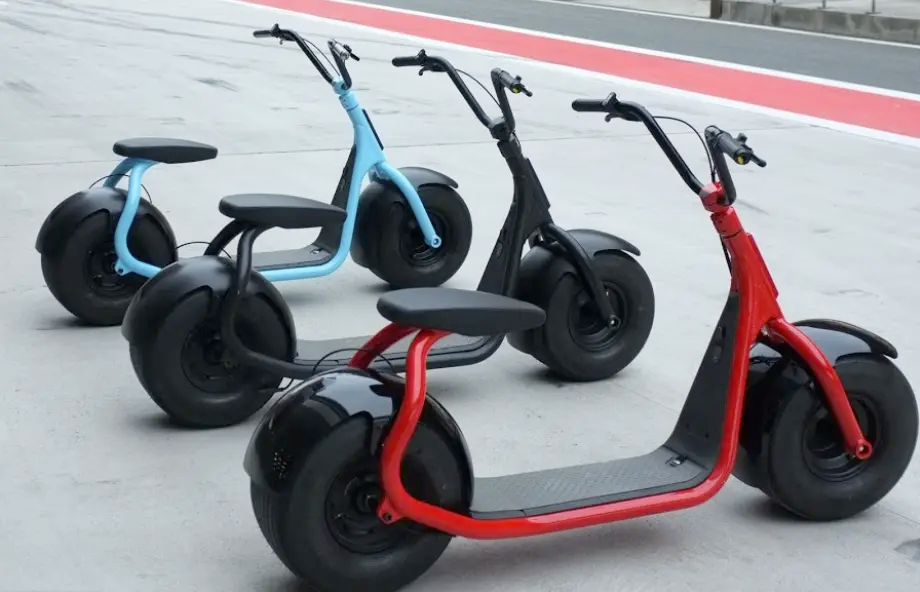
x: 369, y: 161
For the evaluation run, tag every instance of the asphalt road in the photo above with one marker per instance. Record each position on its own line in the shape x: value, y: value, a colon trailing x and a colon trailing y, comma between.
x: 871, y: 64
x: 99, y: 494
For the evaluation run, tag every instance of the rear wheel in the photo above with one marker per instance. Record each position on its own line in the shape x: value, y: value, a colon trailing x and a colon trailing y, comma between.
x: 401, y: 257
x: 807, y: 469
x: 188, y: 373
x: 326, y: 530
x: 81, y: 274
x: 574, y: 342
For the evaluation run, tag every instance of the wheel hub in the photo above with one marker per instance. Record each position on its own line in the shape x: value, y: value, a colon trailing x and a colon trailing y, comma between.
x: 588, y: 328
x: 825, y: 452
x: 412, y: 243
x: 351, y: 512
x: 99, y: 268
x: 206, y: 362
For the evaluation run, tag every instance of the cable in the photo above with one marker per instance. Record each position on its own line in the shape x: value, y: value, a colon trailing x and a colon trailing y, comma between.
x: 481, y: 85
x: 320, y: 361
x: 712, y: 167
x: 202, y: 243
x: 325, y: 57
x: 144, y: 188
x: 356, y: 350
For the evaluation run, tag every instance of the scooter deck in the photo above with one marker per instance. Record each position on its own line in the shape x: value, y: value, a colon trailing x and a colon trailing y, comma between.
x: 558, y: 490
x: 453, y: 350
x: 309, y: 256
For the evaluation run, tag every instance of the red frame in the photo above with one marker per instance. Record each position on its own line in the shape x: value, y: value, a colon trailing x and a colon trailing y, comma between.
x: 760, y: 313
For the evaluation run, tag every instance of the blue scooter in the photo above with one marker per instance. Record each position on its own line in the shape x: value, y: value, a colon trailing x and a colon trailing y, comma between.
x: 410, y: 226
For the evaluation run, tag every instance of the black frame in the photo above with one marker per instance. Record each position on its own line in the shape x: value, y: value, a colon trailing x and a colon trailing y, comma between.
x: 528, y: 221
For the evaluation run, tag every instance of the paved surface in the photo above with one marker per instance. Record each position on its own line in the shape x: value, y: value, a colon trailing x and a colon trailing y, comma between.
x: 99, y: 494
x: 873, y: 64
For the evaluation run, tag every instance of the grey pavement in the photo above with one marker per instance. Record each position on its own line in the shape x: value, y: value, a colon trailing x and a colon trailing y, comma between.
x: 100, y: 494
x: 837, y: 58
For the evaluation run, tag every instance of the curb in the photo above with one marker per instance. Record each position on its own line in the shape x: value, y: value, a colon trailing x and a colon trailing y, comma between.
x: 853, y: 24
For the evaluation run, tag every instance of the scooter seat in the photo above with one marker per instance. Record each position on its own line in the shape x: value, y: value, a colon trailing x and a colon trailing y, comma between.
x: 164, y: 150
x: 465, y: 312
x: 282, y: 211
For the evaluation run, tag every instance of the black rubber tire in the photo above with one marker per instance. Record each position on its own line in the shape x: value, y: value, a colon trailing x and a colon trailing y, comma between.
x: 555, y: 343
x: 162, y: 371
x: 874, y: 381
x: 296, y: 527
x: 66, y: 270
x: 394, y: 265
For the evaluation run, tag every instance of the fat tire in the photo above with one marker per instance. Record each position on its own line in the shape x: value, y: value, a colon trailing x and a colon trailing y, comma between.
x: 159, y: 364
x: 791, y: 483
x: 295, y: 527
x: 382, y: 237
x: 64, y: 269
x: 553, y: 343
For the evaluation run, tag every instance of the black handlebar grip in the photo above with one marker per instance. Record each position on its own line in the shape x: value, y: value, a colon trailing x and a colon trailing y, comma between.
x: 262, y: 33
x: 732, y: 148
x: 589, y: 105
x: 406, y: 61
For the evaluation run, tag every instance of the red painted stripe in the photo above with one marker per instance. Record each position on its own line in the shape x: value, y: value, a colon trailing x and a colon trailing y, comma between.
x: 895, y: 115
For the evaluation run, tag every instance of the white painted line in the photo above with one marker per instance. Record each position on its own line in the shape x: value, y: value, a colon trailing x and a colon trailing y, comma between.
x: 666, y: 90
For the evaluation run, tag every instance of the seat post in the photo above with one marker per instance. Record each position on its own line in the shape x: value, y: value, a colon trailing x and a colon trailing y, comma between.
x: 407, y: 418
x: 121, y: 170
x: 127, y: 262
x: 379, y: 343
x: 239, y: 280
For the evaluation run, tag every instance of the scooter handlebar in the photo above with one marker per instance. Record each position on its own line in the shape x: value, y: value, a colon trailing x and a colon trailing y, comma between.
x: 402, y: 62
x: 589, y: 105
x: 735, y: 148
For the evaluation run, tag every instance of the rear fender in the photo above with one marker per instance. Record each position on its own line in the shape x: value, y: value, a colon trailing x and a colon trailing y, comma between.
x: 305, y: 415
x: 776, y: 375
x: 166, y: 290
x: 70, y: 213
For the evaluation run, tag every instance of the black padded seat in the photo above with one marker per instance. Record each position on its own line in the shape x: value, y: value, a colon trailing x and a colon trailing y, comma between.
x: 165, y: 150
x: 282, y: 211
x: 465, y: 312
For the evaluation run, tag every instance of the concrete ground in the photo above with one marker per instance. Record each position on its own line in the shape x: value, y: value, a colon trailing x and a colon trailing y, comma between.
x: 100, y: 494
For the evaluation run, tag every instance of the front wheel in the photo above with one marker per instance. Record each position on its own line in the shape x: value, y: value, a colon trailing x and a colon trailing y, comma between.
x: 574, y: 342
x: 396, y: 248
x: 189, y: 375
x: 326, y: 529
x: 808, y: 471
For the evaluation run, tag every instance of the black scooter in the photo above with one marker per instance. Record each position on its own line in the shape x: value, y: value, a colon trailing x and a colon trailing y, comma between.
x: 598, y: 299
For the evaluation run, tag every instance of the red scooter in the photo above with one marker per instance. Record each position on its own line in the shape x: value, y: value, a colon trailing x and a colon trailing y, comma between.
x: 360, y: 480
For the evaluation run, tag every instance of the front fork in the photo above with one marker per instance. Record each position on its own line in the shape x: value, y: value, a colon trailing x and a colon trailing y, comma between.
x: 383, y: 171
x: 823, y: 371
x: 582, y: 262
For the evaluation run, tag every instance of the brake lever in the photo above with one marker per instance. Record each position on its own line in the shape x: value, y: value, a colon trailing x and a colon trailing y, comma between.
x: 742, y: 139
x: 620, y: 115
x: 431, y: 68
x: 517, y: 88
x: 351, y: 54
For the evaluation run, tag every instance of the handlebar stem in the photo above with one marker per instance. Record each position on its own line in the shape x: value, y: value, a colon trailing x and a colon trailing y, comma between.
x: 677, y: 161
x: 503, y: 103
